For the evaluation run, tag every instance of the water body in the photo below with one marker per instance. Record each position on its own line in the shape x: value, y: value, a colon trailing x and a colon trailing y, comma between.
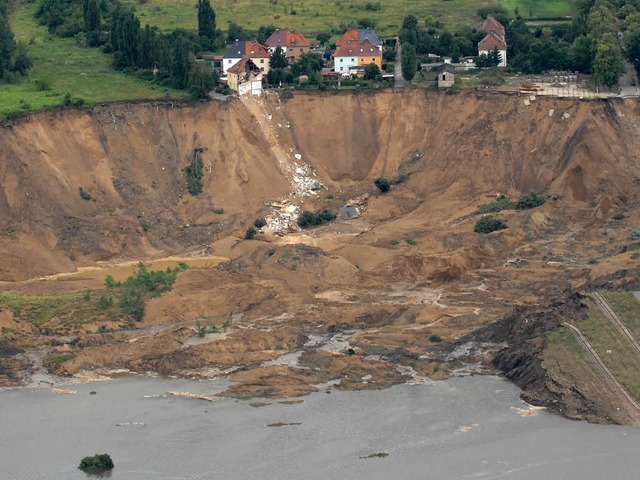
x: 463, y: 428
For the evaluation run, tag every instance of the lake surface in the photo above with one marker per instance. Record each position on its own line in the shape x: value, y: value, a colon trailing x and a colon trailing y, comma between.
x: 463, y: 428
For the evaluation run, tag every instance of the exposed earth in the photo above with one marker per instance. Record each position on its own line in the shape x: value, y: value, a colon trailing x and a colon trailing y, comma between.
x: 406, y: 292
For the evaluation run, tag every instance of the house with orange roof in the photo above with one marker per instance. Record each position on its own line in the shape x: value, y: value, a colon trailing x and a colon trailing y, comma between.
x: 245, y: 77
x: 253, y: 50
x: 354, y: 53
x: 359, y: 35
x: 292, y: 42
x: 494, y: 40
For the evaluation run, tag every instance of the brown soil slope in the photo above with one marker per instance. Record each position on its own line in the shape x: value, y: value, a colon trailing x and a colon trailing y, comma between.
x: 388, y: 285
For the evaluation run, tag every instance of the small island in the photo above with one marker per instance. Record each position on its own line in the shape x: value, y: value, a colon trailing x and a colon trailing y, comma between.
x: 100, y: 462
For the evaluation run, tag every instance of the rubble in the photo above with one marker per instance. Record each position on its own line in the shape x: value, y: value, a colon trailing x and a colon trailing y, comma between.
x: 302, y: 177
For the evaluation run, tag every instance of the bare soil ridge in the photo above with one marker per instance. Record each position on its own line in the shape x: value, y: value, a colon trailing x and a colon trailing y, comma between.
x: 355, y: 304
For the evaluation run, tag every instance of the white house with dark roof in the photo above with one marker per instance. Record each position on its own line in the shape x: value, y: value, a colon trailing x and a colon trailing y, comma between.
x: 239, y: 50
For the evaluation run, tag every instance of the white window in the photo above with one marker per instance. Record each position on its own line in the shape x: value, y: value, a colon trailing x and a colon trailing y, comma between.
x: 262, y: 60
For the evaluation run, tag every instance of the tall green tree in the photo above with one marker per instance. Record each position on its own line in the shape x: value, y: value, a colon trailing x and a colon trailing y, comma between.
x: 278, y: 59
x: 409, y: 61
x: 200, y: 80
x: 608, y: 64
x: 581, y: 54
x: 206, y: 20
x: 7, y: 45
x: 409, y: 32
x: 91, y: 17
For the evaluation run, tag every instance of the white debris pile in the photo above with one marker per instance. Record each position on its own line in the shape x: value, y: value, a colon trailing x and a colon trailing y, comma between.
x: 283, y: 217
x: 304, y: 178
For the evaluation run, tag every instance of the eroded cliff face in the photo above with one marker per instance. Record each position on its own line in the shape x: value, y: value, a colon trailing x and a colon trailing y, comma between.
x: 131, y: 160
x: 409, y: 270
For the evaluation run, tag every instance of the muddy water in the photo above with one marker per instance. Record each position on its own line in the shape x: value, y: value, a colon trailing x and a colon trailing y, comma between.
x: 474, y: 427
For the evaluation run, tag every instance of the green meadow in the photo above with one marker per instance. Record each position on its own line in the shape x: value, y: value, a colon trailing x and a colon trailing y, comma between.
x: 313, y: 16
x: 66, y: 67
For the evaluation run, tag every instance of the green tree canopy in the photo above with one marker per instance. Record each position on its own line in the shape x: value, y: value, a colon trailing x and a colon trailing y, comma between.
x: 372, y: 72
x: 608, y: 64
x: 307, y: 64
x: 409, y: 61
x: 206, y: 20
x: 278, y: 59
x: 409, y: 31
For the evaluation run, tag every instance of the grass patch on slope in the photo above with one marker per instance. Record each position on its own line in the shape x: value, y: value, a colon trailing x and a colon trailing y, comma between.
x: 83, y: 72
x: 119, y: 301
x: 540, y: 8
x: 627, y: 307
x: 623, y: 360
x: 71, y: 308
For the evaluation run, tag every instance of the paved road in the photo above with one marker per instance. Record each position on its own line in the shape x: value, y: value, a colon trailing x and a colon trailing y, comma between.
x: 398, y: 79
x: 628, y: 81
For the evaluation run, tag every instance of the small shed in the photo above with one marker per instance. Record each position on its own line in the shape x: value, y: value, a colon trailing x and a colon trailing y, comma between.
x: 349, y: 212
x: 446, y: 75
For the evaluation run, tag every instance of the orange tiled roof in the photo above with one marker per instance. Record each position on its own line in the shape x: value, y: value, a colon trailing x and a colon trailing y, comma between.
x: 348, y: 36
x: 355, y: 48
x: 255, y: 50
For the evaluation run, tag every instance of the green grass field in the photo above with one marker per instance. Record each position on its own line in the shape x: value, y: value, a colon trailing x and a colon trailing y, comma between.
x: 623, y: 360
x: 627, y: 308
x: 540, y: 8
x: 83, y: 72
x: 313, y: 16
x: 71, y: 308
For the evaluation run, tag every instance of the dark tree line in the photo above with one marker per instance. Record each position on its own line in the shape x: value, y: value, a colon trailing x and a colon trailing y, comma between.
x: 168, y: 58
x: 14, y: 61
x: 171, y: 56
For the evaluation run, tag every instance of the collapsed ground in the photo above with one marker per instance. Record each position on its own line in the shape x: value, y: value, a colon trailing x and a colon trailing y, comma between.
x: 405, y: 292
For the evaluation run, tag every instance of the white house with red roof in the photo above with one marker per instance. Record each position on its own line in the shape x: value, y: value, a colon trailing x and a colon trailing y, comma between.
x: 494, y: 40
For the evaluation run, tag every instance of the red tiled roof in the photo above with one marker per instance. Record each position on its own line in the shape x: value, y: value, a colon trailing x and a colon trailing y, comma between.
x: 349, y: 36
x: 491, y: 41
x: 354, y: 49
x: 242, y: 66
x: 356, y: 35
x: 255, y: 50
x: 287, y: 38
x: 490, y: 24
